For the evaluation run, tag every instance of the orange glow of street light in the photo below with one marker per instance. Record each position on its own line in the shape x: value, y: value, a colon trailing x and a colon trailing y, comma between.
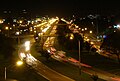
x: 82, y: 29
x: 85, y: 28
x: 20, y: 21
x: 71, y: 37
x: 6, y: 28
x: 1, y: 21
x: 19, y: 63
x: 90, y: 31
x: 17, y: 33
x: 91, y: 43
x: 88, y: 39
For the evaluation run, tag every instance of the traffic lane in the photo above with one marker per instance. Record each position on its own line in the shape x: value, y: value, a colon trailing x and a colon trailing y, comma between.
x: 50, y: 74
x: 101, y: 74
x: 106, y: 54
x: 90, y: 70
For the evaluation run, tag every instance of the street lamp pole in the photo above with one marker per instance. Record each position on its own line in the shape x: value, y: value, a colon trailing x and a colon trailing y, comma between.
x: 18, y: 63
x: 79, y: 54
x: 79, y: 58
x: 18, y: 33
x: 5, y: 73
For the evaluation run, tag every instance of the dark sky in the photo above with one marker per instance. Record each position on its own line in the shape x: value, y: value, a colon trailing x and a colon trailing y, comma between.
x: 63, y: 7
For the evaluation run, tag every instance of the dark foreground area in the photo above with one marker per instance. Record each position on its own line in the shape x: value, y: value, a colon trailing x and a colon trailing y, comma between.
x: 18, y: 73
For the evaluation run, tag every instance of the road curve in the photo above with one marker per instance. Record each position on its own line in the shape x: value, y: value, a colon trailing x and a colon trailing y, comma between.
x: 50, y: 74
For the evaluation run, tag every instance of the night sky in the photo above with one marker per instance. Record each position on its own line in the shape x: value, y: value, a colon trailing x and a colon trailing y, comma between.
x: 63, y: 7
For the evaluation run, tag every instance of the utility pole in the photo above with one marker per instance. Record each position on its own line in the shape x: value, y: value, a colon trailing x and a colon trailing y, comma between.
x: 5, y: 73
x: 97, y: 27
x: 79, y: 58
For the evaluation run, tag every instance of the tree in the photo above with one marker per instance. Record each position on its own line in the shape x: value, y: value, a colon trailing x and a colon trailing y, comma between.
x: 93, y: 49
x: 63, y: 33
x: 117, y: 53
x: 87, y: 46
x: 112, y: 45
x: 6, y: 46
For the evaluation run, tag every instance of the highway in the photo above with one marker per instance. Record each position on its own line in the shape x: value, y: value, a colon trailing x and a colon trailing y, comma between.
x: 39, y: 67
x: 52, y: 75
x: 85, y: 68
x: 44, y: 71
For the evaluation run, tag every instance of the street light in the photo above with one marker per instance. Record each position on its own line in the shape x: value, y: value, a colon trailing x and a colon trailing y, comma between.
x: 85, y: 28
x: 90, y: 31
x: 71, y: 38
x: 83, y: 32
x: 18, y: 33
x: 7, y: 28
x: 18, y: 63
x: 79, y: 58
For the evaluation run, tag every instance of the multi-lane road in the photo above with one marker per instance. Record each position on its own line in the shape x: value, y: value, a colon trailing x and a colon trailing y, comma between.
x: 85, y: 68
x: 55, y: 76
x: 40, y: 68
